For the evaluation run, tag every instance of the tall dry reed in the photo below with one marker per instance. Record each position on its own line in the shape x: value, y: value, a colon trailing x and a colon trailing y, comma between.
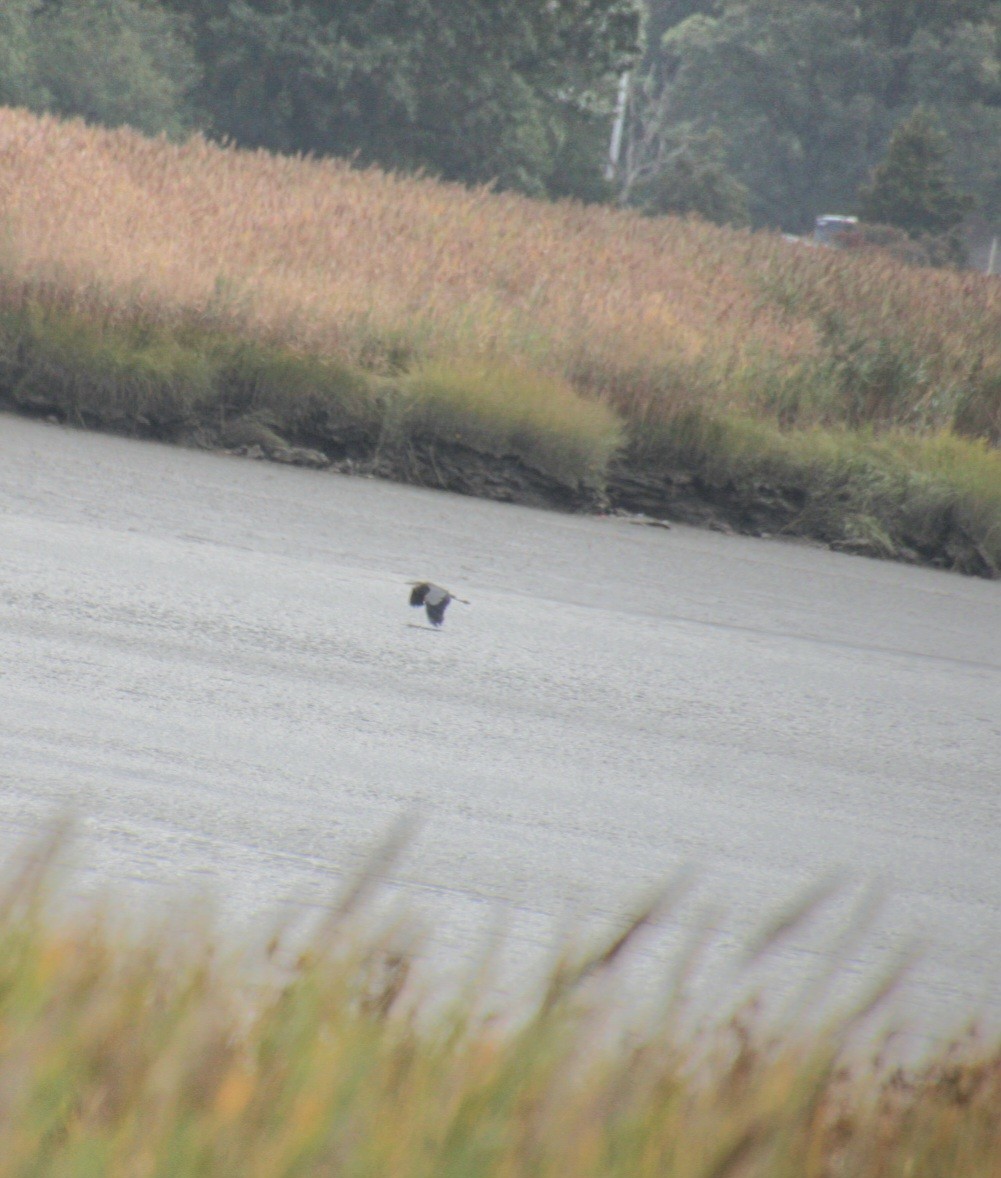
x: 655, y: 315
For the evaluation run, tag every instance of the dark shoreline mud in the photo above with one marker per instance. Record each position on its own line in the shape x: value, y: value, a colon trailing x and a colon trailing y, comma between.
x: 652, y: 494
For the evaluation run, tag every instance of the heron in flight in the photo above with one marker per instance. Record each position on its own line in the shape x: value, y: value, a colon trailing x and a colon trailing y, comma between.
x: 434, y: 599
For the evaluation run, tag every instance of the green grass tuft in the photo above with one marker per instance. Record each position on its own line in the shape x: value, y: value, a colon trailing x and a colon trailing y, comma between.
x: 509, y: 411
x: 886, y: 493
x: 122, y: 377
x: 315, y: 400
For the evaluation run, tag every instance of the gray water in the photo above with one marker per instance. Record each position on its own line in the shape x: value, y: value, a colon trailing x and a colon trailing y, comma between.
x: 211, y: 663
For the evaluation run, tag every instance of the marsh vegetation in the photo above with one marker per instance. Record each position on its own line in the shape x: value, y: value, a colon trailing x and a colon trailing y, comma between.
x: 196, y: 292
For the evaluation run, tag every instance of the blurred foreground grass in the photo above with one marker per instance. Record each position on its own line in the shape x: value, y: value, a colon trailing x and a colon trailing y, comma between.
x: 153, y: 1054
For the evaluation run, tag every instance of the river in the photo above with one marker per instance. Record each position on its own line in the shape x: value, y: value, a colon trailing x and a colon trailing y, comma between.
x: 210, y: 662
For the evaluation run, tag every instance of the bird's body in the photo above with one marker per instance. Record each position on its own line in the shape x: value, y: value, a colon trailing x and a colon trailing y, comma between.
x: 434, y: 599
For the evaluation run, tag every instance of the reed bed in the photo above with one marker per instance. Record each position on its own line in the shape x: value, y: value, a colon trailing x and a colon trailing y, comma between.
x: 363, y: 266
x: 133, y: 271
x: 140, y: 1051
x: 357, y: 264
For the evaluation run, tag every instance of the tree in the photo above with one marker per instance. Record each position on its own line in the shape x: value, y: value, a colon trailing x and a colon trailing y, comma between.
x: 805, y: 94
x: 19, y: 82
x: 473, y: 90
x: 788, y: 87
x: 693, y: 178
x: 912, y: 188
x: 895, y: 22
x: 117, y: 61
x: 956, y: 72
x: 110, y: 61
x: 661, y: 15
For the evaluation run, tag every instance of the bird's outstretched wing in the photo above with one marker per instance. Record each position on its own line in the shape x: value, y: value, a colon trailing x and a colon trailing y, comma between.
x: 436, y: 610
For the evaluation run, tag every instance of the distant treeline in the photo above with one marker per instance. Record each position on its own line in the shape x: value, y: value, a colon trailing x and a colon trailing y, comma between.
x: 758, y: 111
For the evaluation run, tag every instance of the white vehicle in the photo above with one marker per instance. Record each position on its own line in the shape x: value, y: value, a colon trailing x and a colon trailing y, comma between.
x: 827, y: 227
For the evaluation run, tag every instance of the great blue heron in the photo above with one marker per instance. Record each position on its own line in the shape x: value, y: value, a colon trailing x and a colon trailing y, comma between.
x: 434, y: 599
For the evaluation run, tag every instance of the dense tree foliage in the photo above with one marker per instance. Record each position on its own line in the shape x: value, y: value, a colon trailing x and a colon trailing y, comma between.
x: 475, y: 90
x: 115, y: 62
x: 110, y: 61
x: 896, y: 22
x: 911, y: 188
x: 806, y: 93
x: 18, y: 75
x: 693, y: 178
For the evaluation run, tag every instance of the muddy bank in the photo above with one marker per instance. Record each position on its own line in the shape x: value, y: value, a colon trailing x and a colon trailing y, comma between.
x: 661, y: 496
x: 655, y: 495
x: 761, y: 508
